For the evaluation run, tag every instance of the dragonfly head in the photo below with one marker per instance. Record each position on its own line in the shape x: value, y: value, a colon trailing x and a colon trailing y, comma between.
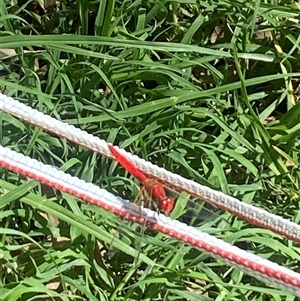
x: 167, y: 204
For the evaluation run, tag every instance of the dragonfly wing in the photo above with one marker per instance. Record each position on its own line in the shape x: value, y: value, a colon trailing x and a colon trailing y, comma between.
x: 193, y: 211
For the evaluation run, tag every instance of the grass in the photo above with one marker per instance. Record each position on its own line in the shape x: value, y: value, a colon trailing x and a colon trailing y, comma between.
x: 209, y: 90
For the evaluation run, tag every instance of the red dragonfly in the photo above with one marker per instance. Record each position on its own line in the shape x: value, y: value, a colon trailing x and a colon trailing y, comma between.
x: 154, y: 189
x: 156, y: 192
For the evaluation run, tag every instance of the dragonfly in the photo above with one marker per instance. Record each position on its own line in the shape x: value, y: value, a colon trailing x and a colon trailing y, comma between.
x: 154, y: 189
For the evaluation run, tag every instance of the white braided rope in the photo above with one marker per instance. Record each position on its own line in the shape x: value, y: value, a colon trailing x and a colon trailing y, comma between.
x: 47, y: 174
x: 217, y: 198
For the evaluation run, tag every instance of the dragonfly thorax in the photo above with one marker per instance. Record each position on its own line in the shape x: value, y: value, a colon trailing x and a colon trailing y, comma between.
x: 157, y: 192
